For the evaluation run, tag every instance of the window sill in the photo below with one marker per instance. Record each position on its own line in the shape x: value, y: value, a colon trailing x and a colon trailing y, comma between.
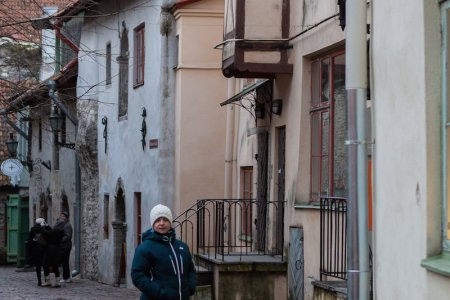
x: 310, y: 205
x: 138, y: 84
x: 439, y: 263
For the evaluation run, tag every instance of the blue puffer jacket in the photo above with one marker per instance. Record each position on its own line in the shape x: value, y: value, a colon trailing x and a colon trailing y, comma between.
x: 162, y: 267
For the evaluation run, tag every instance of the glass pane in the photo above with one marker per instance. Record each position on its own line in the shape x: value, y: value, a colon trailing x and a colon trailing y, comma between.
x: 324, y: 191
x: 324, y: 186
x: 315, y: 165
x: 340, y: 125
x: 315, y: 134
x: 315, y: 83
x: 325, y: 76
x: 325, y: 131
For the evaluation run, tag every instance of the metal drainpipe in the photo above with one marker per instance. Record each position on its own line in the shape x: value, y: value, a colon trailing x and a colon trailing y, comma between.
x: 356, y: 86
x: 55, y: 158
x: 167, y: 139
x: 229, y: 138
x: 77, y: 220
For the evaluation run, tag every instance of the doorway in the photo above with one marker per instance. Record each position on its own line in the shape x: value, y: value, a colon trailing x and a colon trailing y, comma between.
x: 119, y: 235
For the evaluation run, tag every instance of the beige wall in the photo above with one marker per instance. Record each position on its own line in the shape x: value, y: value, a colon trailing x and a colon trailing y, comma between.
x: 200, y: 121
x: 294, y: 90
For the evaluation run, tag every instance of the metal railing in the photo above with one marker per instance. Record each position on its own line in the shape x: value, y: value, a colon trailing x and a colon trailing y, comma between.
x: 232, y: 227
x: 333, y: 237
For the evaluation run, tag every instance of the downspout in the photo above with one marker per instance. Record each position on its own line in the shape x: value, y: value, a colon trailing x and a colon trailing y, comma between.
x: 166, y: 164
x: 55, y: 157
x: 356, y: 85
x: 74, y: 120
x: 229, y: 138
x: 77, y: 219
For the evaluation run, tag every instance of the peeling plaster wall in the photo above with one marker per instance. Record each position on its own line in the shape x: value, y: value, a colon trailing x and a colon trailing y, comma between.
x: 125, y: 163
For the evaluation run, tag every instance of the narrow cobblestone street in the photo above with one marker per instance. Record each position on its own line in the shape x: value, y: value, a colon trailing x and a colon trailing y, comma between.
x: 23, y: 285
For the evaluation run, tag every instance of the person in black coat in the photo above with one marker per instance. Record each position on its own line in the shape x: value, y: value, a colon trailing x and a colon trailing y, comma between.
x: 37, y: 245
x: 52, y: 255
x: 66, y: 244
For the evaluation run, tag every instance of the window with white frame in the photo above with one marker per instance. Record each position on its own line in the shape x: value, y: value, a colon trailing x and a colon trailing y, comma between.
x: 439, y: 262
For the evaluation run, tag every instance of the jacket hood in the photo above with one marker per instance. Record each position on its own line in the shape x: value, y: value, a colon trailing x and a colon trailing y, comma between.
x: 156, y: 236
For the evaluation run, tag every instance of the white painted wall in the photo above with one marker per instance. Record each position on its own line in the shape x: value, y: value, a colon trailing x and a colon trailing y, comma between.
x: 125, y: 158
x: 406, y: 100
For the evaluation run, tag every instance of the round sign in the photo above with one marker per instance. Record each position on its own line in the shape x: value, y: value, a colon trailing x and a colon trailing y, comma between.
x: 11, y: 167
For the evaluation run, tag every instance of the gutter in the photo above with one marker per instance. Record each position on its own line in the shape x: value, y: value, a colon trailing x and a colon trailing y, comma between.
x: 358, y: 273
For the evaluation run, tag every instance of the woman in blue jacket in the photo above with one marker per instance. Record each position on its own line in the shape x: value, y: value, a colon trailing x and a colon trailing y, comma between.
x: 162, y: 266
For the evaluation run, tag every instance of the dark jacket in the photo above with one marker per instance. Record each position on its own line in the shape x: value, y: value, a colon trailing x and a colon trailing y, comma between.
x: 36, y: 249
x: 66, y: 241
x: 160, y: 264
x: 52, y: 255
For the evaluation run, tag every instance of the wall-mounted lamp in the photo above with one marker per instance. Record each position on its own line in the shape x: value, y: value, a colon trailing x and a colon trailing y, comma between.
x: 56, y: 124
x: 277, y: 106
x: 259, y: 110
x: 105, y: 131
x: 143, y: 128
x: 11, y: 144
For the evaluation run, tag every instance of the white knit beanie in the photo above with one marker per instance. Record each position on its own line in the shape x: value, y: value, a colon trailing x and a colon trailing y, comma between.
x: 40, y: 220
x: 160, y: 211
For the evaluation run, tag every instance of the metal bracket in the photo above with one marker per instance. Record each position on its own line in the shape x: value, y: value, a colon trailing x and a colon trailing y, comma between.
x: 70, y: 146
x: 144, y: 127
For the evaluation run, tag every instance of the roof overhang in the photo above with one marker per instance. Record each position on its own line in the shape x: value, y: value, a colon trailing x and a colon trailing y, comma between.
x: 39, y: 93
x: 64, y: 14
x: 248, y: 89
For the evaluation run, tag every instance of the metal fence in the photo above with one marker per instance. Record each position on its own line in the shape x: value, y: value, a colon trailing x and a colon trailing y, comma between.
x: 233, y: 227
x: 333, y: 237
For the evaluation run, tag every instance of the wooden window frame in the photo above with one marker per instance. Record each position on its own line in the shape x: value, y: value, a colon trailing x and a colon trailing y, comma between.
x: 108, y: 64
x: 139, y: 55
x: 138, y: 217
x: 322, y: 110
x: 106, y: 216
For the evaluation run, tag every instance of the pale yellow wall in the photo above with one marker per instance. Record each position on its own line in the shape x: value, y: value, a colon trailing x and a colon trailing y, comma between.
x: 200, y: 121
x: 294, y: 90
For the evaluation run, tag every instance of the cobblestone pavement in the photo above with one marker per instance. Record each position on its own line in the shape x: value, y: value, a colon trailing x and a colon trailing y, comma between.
x: 23, y: 285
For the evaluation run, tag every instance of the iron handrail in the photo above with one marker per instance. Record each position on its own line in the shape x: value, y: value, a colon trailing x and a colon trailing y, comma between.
x: 229, y: 227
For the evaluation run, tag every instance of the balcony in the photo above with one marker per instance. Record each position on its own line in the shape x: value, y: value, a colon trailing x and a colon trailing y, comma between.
x: 237, y: 245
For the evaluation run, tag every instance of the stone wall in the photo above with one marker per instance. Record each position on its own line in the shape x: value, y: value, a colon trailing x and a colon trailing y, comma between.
x: 87, y: 154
